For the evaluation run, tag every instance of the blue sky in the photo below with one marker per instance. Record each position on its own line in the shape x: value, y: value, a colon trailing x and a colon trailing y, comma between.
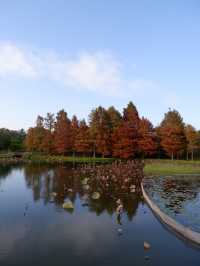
x: 78, y: 54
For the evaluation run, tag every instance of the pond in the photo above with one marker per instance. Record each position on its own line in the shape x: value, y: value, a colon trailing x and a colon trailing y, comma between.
x: 177, y: 196
x: 36, y: 230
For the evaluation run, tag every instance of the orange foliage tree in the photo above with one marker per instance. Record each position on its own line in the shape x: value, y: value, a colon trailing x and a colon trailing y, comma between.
x: 125, y: 138
x: 82, y: 141
x: 62, y: 135
x: 100, y: 131
x: 74, y: 132
x: 111, y: 134
x: 172, y: 132
x: 147, y: 138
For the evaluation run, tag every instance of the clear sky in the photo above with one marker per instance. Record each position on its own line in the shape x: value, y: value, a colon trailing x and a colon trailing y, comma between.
x: 78, y: 54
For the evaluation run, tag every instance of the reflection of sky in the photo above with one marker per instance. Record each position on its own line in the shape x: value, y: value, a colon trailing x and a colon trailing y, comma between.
x: 49, y: 235
x: 181, y: 201
x: 79, y: 232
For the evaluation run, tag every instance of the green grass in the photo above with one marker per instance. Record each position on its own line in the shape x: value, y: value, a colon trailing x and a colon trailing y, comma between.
x: 156, y: 167
x: 152, y: 167
x: 67, y: 159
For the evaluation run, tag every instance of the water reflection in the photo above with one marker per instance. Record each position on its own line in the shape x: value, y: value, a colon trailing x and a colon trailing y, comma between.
x: 36, y: 230
x: 57, y: 184
x: 178, y: 196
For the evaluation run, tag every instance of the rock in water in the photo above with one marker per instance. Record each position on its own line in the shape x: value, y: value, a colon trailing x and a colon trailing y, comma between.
x: 119, y: 230
x: 96, y: 195
x: 132, y: 188
x: 86, y: 187
x: 119, y: 209
x: 119, y: 202
x: 85, y: 181
x: 146, y: 245
x: 53, y: 194
x: 68, y: 205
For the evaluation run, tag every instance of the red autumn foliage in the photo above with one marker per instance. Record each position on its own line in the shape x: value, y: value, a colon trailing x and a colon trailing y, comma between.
x: 111, y: 134
x: 173, y: 141
x: 125, y: 137
x: 62, y: 133
x: 82, y: 141
x: 147, y: 138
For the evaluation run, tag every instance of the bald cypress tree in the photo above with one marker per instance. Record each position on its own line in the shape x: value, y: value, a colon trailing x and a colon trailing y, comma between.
x: 125, y: 138
x: 62, y: 135
x: 147, y: 138
x: 173, y: 139
x: 74, y: 132
x: 192, y: 138
x: 82, y: 140
x: 100, y: 130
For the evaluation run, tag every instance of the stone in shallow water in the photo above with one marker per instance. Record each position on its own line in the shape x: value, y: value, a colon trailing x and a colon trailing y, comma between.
x: 146, y: 245
x: 119, y: 230
x: 86, y: 187
x: 132, y: 188
x: 85, y: 181
x: 96, y: 195
x: 68, y: 205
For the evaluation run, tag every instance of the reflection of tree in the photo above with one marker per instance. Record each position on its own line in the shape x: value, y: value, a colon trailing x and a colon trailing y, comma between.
x: 57, y: 184
x: 6, y: 169
x: 179, y: 191
x: 109, y: 205
x: 36, y: 177
x: 174, y: 192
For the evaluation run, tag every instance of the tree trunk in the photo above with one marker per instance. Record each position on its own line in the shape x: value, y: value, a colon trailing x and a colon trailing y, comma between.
x: 172, y: 156
x: 192, y: 155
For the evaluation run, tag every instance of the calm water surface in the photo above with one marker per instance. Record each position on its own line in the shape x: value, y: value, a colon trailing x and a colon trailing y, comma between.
x: 36, y: 230
x: 178, y: 196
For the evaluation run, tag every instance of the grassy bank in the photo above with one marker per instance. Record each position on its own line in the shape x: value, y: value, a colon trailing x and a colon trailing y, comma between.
x: 171, y: 167
x: 152, y: 167
x: 66, y: 159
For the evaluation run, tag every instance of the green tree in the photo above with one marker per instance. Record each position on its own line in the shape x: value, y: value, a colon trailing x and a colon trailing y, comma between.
x: 49, y: 122
x: 115, y: 117
x: 173, y: 139
x: 192, y: 138
x: 100, y: 129
x: 74, y: 132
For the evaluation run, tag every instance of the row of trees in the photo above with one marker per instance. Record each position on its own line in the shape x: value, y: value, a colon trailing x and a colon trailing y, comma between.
x: 11, y: 140
x: 110, y: 133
